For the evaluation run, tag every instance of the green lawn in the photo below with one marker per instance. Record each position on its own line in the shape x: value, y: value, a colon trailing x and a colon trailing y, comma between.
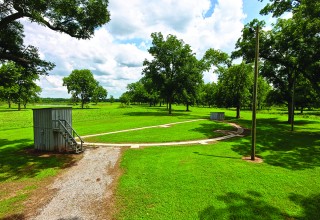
x: 196, y: 130
x: 185, y: 182
x: 213, y: 182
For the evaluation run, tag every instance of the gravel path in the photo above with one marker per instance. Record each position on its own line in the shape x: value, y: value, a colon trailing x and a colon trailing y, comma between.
x: 83, y: 189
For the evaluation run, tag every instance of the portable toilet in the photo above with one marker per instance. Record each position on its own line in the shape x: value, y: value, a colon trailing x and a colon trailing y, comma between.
x: 53, y: 130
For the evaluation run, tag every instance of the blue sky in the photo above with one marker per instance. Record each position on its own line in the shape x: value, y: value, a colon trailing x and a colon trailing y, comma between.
x: 116, y: 52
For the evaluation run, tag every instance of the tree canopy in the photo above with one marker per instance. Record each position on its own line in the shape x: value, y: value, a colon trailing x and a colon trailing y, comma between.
x: 77, y: 18
x: 174, y: 68
x: 17, y: 84
x: 82, y: 85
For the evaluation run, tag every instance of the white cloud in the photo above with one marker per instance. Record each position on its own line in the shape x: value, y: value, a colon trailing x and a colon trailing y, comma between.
x: 116, y: 52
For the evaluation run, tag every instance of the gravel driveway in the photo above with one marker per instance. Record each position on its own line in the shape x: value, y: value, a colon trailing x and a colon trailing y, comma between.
x: 82, y: 191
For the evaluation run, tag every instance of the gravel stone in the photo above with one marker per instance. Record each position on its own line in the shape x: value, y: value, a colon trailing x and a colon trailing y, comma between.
x: 83, y: 187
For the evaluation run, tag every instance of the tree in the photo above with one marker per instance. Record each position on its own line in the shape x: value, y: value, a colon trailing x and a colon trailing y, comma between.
x: 29, y: 93
x: 216, y: 58
x: 172, y: 63
x: 207, y: 94
x: 137, y: 92
x: 306, y: 28
x: 235, y: 86
x: 17, y: 84
x: 76, y: 18
x: 99, y: 94
x: 125, y: 98
x: 9, y: 75
x: 301, y: 34
x: 152, y: 93
x: 111, y: 99
x: 81, y: 84
x: 281, y: 66
x: 191, y: 80
x: 262, y: 92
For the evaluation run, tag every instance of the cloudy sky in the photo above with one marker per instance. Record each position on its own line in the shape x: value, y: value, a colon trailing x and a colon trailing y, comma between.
x: 117, y: 50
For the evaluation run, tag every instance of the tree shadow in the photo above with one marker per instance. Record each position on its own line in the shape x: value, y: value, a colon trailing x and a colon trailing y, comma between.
x: 9, y: 110
x: 242, y: 206
x: 217, y: 156
x: 163, y: 112
x: 157, y: 114
x: 209, y: 129
x: 310, y: 206
x: 280, y: 147
x: 19, y: 160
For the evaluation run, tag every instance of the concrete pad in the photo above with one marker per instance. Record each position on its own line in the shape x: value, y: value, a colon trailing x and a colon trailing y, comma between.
x: 135, y: 146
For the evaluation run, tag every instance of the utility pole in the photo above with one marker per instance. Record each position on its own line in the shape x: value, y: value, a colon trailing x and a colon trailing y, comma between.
x: 254, y: 107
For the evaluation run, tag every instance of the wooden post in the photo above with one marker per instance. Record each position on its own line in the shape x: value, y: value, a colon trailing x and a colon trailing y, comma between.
x: 254, y: 105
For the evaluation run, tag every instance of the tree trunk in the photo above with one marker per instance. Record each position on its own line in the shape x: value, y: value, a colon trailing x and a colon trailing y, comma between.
x: 187, y: 107
x: 82, y: 103
x: 170, y: 107
x: 25, y: 105
x: 301, y: 110
x: 292, y: 107
x: 9, y: 103
x: 19, y: 106
x: 238, y: 111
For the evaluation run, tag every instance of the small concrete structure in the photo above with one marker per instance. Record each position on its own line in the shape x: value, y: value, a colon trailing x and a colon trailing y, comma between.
x: 53, y: 130
x: 217, y: 116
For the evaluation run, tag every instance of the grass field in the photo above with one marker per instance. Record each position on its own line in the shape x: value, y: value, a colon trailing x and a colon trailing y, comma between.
x: 194, y: 130
x: 190, y: 182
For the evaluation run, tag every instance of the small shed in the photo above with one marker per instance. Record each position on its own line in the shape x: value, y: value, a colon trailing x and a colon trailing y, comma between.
x: 53, y: 130
x: 217, y: 116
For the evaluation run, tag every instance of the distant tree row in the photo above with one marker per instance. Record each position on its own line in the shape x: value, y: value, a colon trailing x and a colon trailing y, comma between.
x: 289, y: 61
x: 176, y: 76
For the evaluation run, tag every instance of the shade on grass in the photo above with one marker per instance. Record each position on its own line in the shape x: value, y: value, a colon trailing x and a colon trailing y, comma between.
x: 212, y: 182
x: 190, y: 182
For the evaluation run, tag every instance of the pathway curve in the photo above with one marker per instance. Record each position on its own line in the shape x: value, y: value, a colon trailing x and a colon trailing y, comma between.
x: 83, y: 191
x: 229, y: 134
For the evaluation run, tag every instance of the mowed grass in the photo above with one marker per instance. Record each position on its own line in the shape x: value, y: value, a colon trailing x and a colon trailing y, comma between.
x: 189, y: 182
x: 24, y: 172
x: 213, y: 182
x: 188, y: 130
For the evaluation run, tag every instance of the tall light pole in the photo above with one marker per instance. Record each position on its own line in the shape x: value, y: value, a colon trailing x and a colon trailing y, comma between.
x: 254, y: 107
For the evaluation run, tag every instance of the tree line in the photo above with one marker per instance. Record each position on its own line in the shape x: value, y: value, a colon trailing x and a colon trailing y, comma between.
x: 289, y: 65
x: 289, y: 57
x: 175, y: 75
x: 21, y: 64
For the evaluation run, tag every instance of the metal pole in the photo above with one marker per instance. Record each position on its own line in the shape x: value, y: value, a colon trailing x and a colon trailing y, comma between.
x: 254, y: 107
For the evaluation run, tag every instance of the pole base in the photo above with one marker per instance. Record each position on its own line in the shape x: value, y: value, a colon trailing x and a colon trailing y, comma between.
x: 256, y: 159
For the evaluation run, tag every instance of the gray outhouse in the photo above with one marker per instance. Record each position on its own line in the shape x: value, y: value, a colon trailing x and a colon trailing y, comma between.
x: 217, y: 116
x: 53, y: 130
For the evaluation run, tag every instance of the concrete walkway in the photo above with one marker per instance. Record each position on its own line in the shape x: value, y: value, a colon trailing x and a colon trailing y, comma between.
x: 229, y: 134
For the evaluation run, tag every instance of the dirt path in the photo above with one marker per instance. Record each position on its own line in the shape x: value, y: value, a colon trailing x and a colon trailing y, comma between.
x: 83, y: 191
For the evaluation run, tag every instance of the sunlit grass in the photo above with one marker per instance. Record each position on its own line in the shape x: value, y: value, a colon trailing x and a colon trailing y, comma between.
x: 190, y: 182
x: 195, y: 130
